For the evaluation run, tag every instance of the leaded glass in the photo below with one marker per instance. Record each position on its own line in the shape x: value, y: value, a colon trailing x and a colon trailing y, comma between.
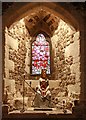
x: 40, y: 55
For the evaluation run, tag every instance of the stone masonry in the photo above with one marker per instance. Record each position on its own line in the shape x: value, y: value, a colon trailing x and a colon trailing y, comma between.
x: 65, y: 67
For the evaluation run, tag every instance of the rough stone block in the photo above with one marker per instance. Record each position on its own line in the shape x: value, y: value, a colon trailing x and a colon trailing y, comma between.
x: 9, y: 64
x: 6, y: 72
x: 13, y: 43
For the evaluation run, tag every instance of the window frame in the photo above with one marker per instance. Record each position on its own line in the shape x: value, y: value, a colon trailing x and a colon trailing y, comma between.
x: 48, y: 39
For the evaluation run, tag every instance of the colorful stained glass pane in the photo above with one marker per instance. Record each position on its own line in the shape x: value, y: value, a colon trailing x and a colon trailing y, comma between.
x: 40, y: 55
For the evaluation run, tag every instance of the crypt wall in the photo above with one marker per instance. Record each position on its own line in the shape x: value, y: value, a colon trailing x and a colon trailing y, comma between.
x: 65, y: 75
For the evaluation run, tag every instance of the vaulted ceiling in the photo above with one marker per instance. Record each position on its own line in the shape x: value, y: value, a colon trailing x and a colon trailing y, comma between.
x: 41, y: 21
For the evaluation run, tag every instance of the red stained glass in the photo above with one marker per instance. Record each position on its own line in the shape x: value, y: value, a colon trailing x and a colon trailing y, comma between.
x: 40, y: 55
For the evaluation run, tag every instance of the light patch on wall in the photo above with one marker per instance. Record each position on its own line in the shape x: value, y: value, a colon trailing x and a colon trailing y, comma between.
x: 11, y: 42
x: 27, y: 69
x: 9, y: 64
x: 73, y: 49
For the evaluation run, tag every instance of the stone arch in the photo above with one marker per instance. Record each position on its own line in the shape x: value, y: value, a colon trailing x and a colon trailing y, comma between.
x: 70, y: 16
x: 18, y: 11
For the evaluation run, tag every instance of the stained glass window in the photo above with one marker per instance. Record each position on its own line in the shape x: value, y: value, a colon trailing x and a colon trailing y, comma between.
x: 40, y: 55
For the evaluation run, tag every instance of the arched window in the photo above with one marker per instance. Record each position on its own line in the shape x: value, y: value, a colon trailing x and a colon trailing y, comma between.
x: 40, y: 55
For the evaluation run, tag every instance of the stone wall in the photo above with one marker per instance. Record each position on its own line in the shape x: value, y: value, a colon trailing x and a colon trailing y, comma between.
x: 16, y: 38
x: 66, y: 66
x: 65, y: 77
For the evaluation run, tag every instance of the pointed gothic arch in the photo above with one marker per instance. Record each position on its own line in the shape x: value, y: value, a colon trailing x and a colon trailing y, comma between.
x: 75, y: 22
